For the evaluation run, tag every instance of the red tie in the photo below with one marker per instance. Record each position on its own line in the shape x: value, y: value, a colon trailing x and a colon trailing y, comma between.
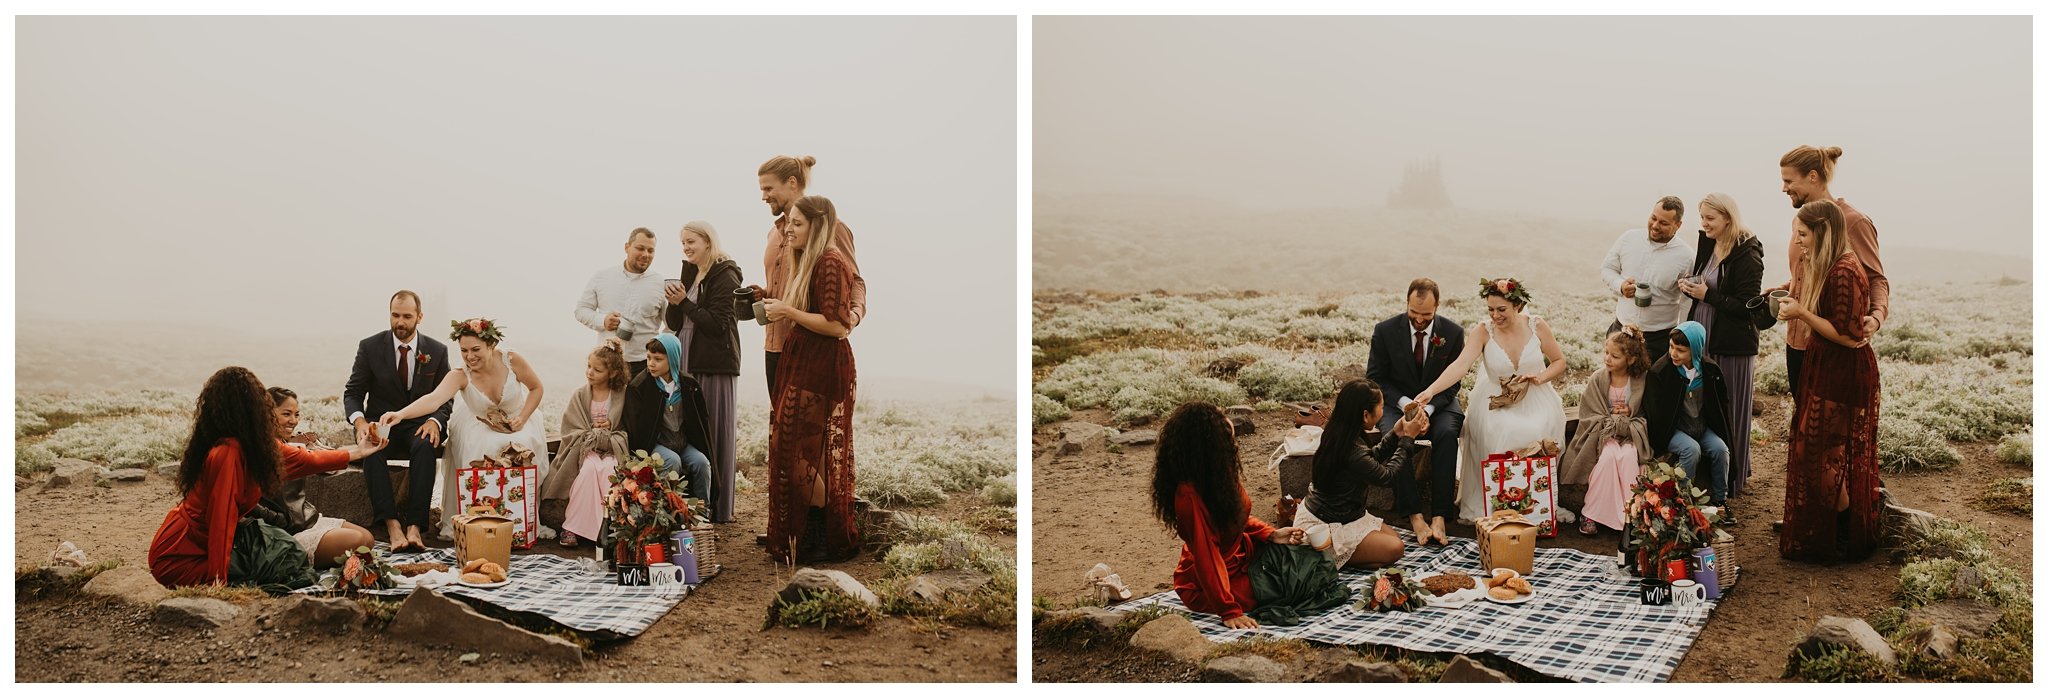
x: 1418, y: 347
x: 406, y: 378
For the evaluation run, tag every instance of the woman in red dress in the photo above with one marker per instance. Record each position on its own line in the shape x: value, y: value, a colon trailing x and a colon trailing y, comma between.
x: 1196, y: 490
x: 810, y: 441
x: 231, y: 459
x: 1831, y: 478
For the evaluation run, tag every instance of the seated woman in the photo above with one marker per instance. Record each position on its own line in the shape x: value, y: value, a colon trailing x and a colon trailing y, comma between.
x: 1196, y: 490
x: 664, y: 415
x: 1685, y: 402
x: 1344, y: 465
x: 230, y: 460
x: 1612, y: 444
x: 324, y: 537
x: 591, y: 445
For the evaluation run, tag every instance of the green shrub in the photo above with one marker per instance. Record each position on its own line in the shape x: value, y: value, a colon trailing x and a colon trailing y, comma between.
x: 822, y: 610
x: 2017, y: 448
x: 33, y: 458
x: 1045, y: 410
x: 1928, y: 581
x: 1839, y: 665
x: 1002, y: 492
x: 1771, y: 378
x: 2013, y: 495
x: 1284, y: 379
x: 1904, y: 445
x: 1946, y: 538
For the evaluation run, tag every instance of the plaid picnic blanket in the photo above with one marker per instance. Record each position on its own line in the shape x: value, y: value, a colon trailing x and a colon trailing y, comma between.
x: 558, y: 588
x: 1585, y: 623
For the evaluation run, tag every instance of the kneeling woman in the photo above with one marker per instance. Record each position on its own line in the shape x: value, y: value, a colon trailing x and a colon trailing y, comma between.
x: 1231, y: 564
x: 324, y: 537
x: 1344, y: 466
x: 230, y: 461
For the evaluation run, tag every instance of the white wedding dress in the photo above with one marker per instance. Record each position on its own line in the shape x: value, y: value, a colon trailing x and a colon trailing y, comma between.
x: 1539, y: 415
x: 469, y: 439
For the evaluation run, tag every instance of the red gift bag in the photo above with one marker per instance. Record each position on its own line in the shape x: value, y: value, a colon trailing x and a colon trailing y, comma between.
x: 1525, y: 485
x: 509, y: 491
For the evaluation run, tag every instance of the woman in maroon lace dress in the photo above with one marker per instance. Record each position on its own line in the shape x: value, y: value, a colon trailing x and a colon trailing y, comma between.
x: 1831, y: 480
x: 810, y: 442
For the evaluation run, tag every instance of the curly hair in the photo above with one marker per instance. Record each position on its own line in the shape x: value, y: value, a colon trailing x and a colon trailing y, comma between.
x: 1630, y: 340
x: 484, y: 329
x: 1198, y: 446
x: 233, y: 405
x: 614, y: 363
x: 1354, y: 401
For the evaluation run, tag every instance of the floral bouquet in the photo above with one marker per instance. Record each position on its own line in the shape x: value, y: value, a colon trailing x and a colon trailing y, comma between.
x: 1392, y: 590
x: 1664, y: 518
x: 644, y: 505
x: 362, y: 570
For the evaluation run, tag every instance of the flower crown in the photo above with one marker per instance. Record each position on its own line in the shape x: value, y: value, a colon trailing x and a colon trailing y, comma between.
x: 480, y: 328
x: 1506, y: 287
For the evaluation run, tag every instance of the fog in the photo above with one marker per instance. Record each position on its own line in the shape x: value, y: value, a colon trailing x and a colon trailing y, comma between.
x: 1581, y: 118
x: 281, y: 177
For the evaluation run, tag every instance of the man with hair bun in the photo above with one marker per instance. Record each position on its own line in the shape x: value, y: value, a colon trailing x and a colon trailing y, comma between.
x: 783, y: 180
x: 1806, y: 172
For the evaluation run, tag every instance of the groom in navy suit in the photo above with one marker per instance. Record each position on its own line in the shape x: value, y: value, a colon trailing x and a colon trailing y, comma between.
x: 1409, y: 352
x: 393, y: 369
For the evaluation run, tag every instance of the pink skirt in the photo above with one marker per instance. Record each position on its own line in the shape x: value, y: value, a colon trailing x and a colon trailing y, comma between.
x: 1608, y: 488
x: 586, y: 496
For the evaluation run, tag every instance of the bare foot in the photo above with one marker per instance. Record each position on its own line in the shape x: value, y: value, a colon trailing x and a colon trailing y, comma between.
x: 412, y: 539
x: 1436, y: 526
x: 1420, y: 527
x: 394, y: 536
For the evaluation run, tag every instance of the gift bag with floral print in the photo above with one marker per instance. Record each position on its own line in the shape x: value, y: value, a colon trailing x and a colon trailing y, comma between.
x: 1524, y: 484
x: 509, y: 491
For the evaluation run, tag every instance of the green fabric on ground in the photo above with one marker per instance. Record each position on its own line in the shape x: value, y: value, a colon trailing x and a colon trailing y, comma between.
x: 266, y: 557
x: 1293, y: 581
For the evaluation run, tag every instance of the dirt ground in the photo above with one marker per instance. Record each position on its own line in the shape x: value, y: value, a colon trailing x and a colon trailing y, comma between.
x: 713, y: 635
x: 1092, y: 507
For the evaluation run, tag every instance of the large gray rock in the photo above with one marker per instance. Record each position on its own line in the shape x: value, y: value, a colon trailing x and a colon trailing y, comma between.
x: 345, y: 495
x: 1853, y: 633
x: 71, y: 471
x: 1968, y: 617
x: 169, y: 470
x: 128, y: 475
x: 1102, y: 619
x: 1934, y: 641
x: 1141, y: 437
x: 195, y: 612
x: 1242, y: 425
x: 128, y: 583
x: 1900, y: 523
x: 429, y: 618
x: 1463, y: 669
x: 1244, y: 668
x: 1077, y: 436
x: 1967, y: 581
x: 817, y: 581
x: 316, y: 613
x: 932, y: 587
x: 1175, y: 636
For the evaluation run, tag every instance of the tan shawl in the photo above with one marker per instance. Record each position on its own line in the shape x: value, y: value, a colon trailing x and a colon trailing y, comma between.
x: 1598, y: 423
x: 579, y: 439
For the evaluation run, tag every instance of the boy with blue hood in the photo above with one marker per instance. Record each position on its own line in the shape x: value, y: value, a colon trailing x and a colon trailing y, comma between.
x: 664, y: 415
x: 1686, y: 405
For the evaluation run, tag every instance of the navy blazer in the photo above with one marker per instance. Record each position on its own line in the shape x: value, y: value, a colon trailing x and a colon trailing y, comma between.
x: 1392, y: 362
x: 375, y: 389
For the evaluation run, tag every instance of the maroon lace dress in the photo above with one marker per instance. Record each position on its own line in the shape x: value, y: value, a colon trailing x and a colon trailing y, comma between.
x: 1834, y: 443
x: 812, y: 425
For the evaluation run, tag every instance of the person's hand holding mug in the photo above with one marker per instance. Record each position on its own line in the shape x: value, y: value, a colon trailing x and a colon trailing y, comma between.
x: 776, y: 309
x: 611, y: 321
x: 1411, y: 426
x: 1691, y: 286
x: 366, y: 432
x: 1628, y: 287
x: 1291, y: 535
x: 1789, y: 309
x: 674, y: 291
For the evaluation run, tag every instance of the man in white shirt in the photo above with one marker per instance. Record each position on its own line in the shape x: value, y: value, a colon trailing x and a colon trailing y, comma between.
x: 1655, y: 256
x: 625, y: 302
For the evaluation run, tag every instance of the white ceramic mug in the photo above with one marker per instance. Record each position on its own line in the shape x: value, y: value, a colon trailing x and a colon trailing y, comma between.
x: 1319, y: 537
x: 1687, y: 592
x: 1778, y: 298
x: 663, y: 574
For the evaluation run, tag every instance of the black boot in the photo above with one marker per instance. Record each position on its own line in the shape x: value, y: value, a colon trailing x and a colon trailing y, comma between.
x: 811, y: 547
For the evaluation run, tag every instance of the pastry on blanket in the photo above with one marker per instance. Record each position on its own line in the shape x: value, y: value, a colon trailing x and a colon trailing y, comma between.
x: 1520, y: 585
x: 1447, y: 583
x: 492, y: 570
x: 476, y: 578
x: 474, y: 565
x: 1499, y: 578
x: 1503, y: 593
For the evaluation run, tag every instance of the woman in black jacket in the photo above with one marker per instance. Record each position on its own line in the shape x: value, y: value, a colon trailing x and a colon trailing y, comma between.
x: 1344, y: 466
x: 1686, y: 405
x: 701, y: 314
x: 1728, y: 275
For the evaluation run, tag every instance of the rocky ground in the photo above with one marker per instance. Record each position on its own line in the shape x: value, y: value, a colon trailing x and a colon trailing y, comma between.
x: 1090, y: 505
x: 119, y: 627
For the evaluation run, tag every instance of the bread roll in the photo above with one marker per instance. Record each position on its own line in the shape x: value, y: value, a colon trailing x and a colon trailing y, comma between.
x: 1520, y: 585
x: 474, y: 565
x: 476, y: 578
x: 1503, y: 593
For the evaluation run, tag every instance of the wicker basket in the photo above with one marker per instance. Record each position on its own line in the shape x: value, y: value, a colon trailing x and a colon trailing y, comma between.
x: 706, y: 536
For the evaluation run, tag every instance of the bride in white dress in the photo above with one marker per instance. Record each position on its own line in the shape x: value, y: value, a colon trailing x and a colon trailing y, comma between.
x: 487, y: 370
x: 1514, y: 343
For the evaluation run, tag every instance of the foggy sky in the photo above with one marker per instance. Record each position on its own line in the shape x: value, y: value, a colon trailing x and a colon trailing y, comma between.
x: 286, y: 175
x: 1584, y: 118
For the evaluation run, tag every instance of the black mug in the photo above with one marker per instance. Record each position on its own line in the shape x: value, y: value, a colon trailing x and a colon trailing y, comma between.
x: 1656, y: 592
x: 743, y: 303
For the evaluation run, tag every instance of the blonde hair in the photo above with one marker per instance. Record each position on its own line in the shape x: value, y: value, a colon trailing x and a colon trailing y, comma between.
x: 785, y: 167
x: 1725, y: 204
x: 1828, y: 242
x: 712, y: 251
x: 822, y: 219
x: 1807, y: 158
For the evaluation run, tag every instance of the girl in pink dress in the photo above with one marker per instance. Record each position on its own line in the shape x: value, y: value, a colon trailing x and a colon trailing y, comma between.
x: 1605, y: 454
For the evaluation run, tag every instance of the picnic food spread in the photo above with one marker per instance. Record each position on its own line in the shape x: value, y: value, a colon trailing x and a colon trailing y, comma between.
x: 481, y: 571
x: 1505, y: 585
